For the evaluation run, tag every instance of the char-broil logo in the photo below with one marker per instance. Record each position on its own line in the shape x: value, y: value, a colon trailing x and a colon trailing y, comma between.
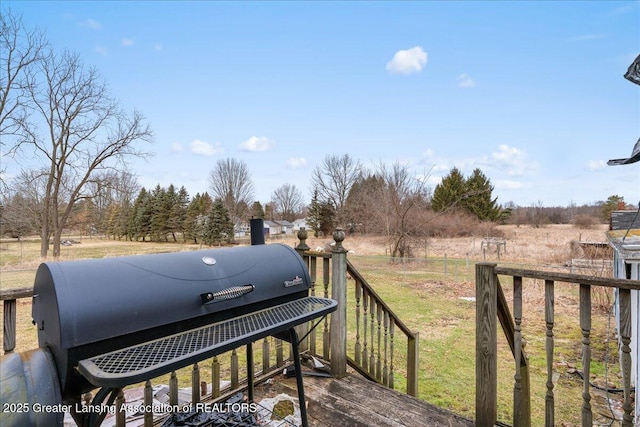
x: 295, y: 282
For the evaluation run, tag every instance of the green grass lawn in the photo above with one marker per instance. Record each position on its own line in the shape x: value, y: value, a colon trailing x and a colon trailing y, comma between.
x: 426, y: 295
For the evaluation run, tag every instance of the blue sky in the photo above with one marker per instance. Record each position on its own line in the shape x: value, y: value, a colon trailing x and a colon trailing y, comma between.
x: 532, y: 93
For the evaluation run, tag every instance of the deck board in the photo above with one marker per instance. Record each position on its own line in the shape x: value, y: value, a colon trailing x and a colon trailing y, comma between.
x: 354, y: 401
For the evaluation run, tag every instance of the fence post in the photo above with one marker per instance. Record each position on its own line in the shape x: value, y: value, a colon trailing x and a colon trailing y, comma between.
x: 486, y: 345
x: 338, y: 326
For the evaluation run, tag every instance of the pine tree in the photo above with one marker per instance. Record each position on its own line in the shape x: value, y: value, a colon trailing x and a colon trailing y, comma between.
x: 478, y: 200
x: 450, y: 192
x: 196, y: 215
x: 140, y: 219
x: 257, y: 211
x: 314, y: 214
x: 219, y: 226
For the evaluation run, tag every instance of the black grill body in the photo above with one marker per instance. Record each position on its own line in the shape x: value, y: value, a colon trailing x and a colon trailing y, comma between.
x: 91, y: 307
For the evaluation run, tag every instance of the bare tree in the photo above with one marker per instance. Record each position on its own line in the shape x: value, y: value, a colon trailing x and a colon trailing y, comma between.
x: 402, y: 203
x: 22, y: 206
x: 20, y: 49
x: 287, y: 202
x: 333, y: 181
x: 230, y: 182
x: 109, y: 189
x: 75, y: 131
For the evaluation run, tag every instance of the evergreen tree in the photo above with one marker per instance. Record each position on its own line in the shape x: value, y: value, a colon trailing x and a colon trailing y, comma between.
x: 473, y: 195
x: 450, y: 192
x: 179, y: 211
x: 196, y: 215
x: 478, y: 200
x: 609, y: 206
x: 140, y: 220
x: 219, y: 226
x: 257, y: 211
x: 314, y: 214
x: 160, y: 213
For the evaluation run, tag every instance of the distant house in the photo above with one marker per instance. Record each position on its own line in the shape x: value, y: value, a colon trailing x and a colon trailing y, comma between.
x: 300, y: 223
x: 287, y: 227
x: 273, y: 228
x: 624, y: 238
x: 241, y: 229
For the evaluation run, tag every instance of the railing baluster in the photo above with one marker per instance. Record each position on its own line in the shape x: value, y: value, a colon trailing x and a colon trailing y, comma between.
x: 517, y: 336
x: 385, y: 368
x: 173, y: 388
x: 313, y: 267
x: 234, y: 369
x: 549, y: 313
x: 215, y: 377
x: 357, y: 346
x: 365, y: 319
x: 372, y: 355
x: 379, y: 353
x: 392, y: 328
x: 195, y: 383
x: 265, y: 355
x: 279, y: 353
x: 148, y: 402
x: 326, y: 340
x: 585, y: 326
x: 9, y: 328
x: 121, y: 414
x: 624, y: 296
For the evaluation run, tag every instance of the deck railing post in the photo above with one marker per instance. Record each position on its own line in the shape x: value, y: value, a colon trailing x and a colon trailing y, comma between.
x: 486, y: 345
x: 338, y: 326
x: 412, y: 365
x: 301, y: 248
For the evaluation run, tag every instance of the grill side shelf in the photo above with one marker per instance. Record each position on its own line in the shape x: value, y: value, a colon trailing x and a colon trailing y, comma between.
x: 161, y: 356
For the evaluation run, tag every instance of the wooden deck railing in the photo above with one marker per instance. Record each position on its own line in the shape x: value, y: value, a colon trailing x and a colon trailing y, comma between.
x: 364, y: 331
x: 491, y: 305
x: 375, y: 328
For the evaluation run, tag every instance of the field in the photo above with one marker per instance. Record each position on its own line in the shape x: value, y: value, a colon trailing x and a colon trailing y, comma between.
x: 427, y: 292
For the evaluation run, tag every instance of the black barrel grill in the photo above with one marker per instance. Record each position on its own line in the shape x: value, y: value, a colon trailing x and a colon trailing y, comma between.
x: 112, y: 322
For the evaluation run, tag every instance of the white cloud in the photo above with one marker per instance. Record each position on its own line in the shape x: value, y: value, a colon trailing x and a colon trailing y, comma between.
x: 586, y: 37
x: 296, y: 162
x: 408, y: 61
x: 593, y: 165
x: 176, y: 147
x: 158, y: 47
x: 91, y: 24
x: 205, y: 149
x: 127, y: 42
x: 510, y: 159
x: 464, y: 80
x: 256, y: 143
x: 102, y: 50
x: 505, y: 184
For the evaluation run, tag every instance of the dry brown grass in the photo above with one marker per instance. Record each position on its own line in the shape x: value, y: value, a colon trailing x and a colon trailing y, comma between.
x: 524, y: 244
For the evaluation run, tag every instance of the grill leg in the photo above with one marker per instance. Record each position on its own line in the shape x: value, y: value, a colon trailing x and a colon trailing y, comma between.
x: 250, y: 372
x: 298, y: 367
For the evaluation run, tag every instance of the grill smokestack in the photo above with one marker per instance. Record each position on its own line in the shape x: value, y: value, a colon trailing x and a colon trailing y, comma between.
x: 257, y: 231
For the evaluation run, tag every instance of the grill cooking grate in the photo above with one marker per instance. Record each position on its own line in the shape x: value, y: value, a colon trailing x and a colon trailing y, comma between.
x: 160, y: 356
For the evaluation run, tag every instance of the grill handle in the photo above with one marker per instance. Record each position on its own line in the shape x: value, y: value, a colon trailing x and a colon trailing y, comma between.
x: 226, y: 294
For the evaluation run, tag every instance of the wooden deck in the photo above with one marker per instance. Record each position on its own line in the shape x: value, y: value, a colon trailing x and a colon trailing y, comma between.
x: 354, y: 401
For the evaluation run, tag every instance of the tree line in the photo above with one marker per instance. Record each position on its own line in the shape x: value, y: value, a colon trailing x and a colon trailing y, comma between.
x: 58, y: 117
